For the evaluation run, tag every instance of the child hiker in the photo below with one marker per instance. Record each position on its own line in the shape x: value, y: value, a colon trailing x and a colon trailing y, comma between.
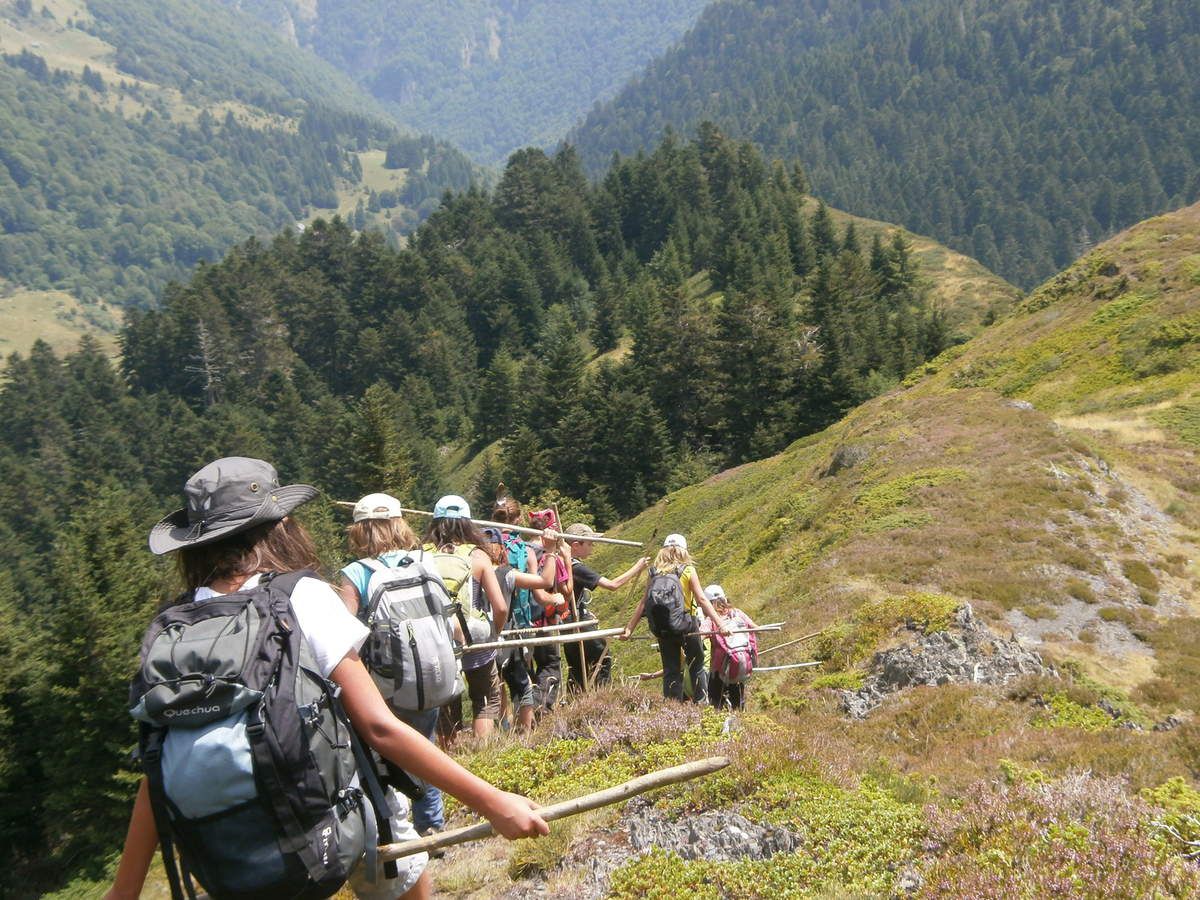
x: 671, y: 604
x: 586, y: 580
x: 515, y: 662
x: 380, y: 534
x: 733, y: 655
x: 235, y: 536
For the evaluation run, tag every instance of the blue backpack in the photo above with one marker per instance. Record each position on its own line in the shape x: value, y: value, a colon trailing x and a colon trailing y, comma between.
x: 522, y: 612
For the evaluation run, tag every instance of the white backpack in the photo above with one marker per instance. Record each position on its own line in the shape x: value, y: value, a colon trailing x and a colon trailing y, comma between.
x: 410, y: 652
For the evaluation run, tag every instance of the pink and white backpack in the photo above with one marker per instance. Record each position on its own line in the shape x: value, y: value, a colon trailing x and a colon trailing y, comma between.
x: 734, y: 655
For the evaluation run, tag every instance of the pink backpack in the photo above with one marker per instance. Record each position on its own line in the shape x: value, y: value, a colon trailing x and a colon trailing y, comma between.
x: 734, y: 656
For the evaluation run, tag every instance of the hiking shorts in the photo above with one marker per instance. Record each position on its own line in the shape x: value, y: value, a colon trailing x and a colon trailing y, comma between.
x: 408, y: 868
x: 483, y: 687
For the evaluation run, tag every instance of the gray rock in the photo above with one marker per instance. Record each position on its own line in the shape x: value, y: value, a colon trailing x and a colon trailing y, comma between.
x: 714, y: 836
x: 968, y: 653
x: 846, y: 456
x: 1020, y: 404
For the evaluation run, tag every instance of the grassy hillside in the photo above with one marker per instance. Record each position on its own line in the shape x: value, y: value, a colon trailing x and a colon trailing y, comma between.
x: 1065, y: 515
x: 1043, y: 472
x: 54, y: 317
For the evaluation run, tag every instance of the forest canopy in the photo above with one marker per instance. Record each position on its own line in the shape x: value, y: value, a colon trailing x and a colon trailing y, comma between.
x: 1019, y: 132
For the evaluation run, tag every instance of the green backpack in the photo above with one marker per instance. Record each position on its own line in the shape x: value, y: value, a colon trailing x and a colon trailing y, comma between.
x: 454, y: 567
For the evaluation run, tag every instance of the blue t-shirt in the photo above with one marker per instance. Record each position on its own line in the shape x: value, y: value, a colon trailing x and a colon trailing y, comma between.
x: 359, y: 573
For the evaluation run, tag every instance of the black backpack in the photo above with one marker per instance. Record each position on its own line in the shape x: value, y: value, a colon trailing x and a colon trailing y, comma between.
x: 256, y: 778
x: 666, y: 609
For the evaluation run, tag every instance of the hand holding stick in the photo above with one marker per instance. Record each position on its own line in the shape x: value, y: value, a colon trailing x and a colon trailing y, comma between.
x: 607, y: 797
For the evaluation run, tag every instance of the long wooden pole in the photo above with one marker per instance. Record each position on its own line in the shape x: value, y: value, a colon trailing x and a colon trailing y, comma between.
x: 803, y: 665
x: 543, y: 641
x: 775, y: 626
x: 799, y: 640
x: 519, y: 529
x: 640, y: 785
x: 649, y: 676
x: 535, y: 630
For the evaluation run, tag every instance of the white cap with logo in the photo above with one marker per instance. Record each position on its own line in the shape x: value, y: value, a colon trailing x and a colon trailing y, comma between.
x: 377, y: 506
x: 676, y: 540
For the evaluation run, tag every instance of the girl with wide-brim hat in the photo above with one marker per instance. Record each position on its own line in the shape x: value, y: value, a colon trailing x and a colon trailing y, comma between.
x: 236, y: 527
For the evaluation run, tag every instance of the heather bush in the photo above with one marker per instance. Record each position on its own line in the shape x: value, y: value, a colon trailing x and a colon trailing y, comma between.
x: 1081, y: 836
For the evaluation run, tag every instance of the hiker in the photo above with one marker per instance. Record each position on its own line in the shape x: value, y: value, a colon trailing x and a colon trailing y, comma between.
x: 671, y: 601
x: 515, y: 663
x: 379, y: 537
x: 546, y: 665
x: 547, y: 661
x: 236, y: 536
x: 466, y: 570
x: 585, y: 580
x: 733, y: 656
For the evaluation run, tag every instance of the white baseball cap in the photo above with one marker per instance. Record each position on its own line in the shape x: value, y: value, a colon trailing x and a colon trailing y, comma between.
x: 377, y: 506
x: 676, y: 540
x: 452, y: 506
x: 715, y: 592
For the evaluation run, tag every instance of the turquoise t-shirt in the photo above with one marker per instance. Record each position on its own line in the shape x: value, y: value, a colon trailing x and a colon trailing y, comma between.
x: 358, y: 573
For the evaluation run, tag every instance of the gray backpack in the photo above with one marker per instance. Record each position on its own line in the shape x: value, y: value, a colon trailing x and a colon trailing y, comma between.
x: 411, y: 651
x: 256, y: 778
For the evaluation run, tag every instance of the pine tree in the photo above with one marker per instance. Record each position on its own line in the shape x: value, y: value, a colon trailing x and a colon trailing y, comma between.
x: 823, y: 235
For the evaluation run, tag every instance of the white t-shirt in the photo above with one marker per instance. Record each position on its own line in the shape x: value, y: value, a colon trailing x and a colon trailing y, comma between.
x: 327, y: 625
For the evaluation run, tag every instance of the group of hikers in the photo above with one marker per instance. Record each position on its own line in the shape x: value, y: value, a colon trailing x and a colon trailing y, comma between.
x: 288, y: 727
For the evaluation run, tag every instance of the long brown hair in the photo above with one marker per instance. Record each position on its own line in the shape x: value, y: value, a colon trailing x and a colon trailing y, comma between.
x: 283, y: 546
x: 443, y: 532
x: 375, y: 537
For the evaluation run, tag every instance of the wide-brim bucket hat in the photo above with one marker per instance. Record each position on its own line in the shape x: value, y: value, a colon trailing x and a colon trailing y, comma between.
x: 228, y: 496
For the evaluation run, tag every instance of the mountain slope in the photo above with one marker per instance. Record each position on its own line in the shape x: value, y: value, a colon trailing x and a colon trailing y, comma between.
x: 141, y: 138
x: 488, y: 75
x: 1043, y: 472
x: 1017, y: 132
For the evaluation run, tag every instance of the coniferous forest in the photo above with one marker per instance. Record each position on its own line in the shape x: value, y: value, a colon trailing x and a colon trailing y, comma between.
x: 1019, y: 132
x: 691, y: 310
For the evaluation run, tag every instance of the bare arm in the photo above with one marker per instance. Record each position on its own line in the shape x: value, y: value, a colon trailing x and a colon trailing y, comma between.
x: 637, y: 615
x: 481, y: 569
x: 615, y: 584
x: 704, y: 604
x: 141, y: 840
x: 544, y: 581
x: 513, y: 816
x: 349, y: 594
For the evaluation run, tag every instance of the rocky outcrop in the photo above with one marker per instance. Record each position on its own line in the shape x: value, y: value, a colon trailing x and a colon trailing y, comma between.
x: 966, y: 653
x: 714, y: 836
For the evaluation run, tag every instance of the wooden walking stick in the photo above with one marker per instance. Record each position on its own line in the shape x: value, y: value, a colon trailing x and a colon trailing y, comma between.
x: 640, y: 785
x: 799, y: 640
x: 574, y: 605
x: 803, y: 665
x: 538, y: 630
